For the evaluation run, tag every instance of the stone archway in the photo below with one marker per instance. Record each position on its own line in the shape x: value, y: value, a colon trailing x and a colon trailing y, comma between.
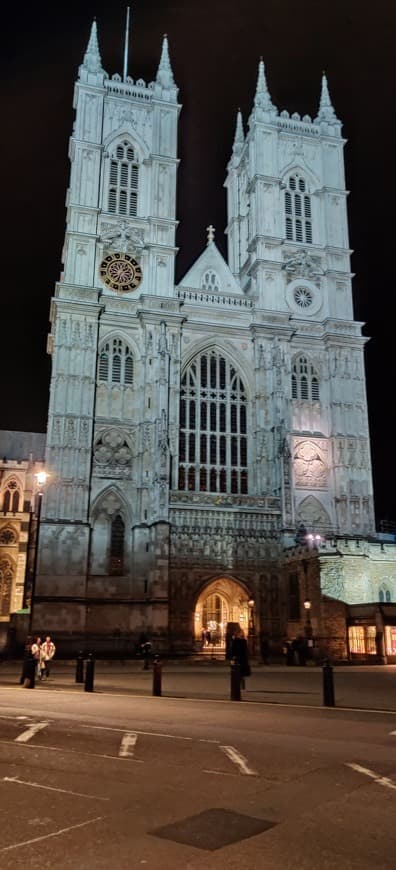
x: 222, y: 601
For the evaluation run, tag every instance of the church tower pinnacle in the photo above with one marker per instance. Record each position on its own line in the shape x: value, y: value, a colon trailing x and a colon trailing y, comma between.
x: 92, y: 63
x: 164, y: 75
x: 326, y: 113
x: 264, y: 108
x: 239, y: 137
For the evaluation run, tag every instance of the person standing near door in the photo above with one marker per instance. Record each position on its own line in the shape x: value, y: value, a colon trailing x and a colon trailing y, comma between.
x: 239, y: 652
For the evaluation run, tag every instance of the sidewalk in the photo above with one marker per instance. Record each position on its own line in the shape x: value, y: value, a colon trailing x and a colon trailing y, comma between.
x: 367, y: 687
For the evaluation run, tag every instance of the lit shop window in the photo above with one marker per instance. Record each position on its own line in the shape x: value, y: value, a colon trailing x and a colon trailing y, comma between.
x: 390, y: 640
x: 362, y: 639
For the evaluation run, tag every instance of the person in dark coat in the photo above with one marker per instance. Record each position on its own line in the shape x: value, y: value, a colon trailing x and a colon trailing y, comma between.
x: 289, y: 653
x: 265, y: 647
x: 239, y: 652
x: 29, y: 664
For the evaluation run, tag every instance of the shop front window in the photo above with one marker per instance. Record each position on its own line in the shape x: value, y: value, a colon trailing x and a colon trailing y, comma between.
x: 362, y: 639
x: 390, y: 640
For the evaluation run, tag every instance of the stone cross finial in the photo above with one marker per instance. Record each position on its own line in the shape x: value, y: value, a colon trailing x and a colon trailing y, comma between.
x: 211, y: 233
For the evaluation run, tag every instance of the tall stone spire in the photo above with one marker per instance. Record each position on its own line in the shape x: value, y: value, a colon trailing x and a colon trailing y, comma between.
x: 164, y: 72
x: 239, y: 137
x: 262, y: 99
x: 326, y: 111
x: 92, y: 62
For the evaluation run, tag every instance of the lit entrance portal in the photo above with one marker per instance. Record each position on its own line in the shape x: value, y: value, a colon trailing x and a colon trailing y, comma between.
x: 223, y: 601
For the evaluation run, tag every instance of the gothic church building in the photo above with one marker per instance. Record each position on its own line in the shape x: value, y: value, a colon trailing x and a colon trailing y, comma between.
x: 194, y: 427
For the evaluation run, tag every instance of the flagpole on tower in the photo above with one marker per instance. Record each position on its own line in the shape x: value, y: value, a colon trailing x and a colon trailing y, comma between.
x: 126, y: 46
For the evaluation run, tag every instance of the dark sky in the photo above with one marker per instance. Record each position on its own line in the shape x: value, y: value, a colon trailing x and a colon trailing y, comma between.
x: 215, y: 46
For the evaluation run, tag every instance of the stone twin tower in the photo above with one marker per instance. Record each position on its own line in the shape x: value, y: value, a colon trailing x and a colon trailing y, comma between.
x: 193, y: 427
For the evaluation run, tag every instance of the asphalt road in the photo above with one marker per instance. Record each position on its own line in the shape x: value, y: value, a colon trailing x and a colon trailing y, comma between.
x: 367, y: 687
x: 114, y: 780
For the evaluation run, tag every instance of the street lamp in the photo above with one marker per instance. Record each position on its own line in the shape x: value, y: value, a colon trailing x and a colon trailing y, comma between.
x: 41, y: 479
x: 251, y: 626
x: 313, y: 540
x: 308, y: 626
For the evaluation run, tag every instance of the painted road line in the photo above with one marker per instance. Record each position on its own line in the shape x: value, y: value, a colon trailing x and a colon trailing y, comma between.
x: 147, y: 733
x: 54, y: 834
x: 381, y: 780
x: 127, y: 745
x: 30, y: 732
x: 238, y: 759
x: 65, y: 749
x: 52, y: 788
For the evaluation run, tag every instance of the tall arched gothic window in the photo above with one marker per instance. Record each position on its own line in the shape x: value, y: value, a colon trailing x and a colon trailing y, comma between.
x: 298, y: 210
x: 213, y: 427
x: 12, y: 497
x: 117, y: 546
x: 305, y: 382
x: 123, y: 180
x: 116, y: 364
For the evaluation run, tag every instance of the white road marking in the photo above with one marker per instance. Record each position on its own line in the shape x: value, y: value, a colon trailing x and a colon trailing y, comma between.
x: 239, y: 760
x: 47, y: 836
x: 148, y: 733
x: 219, y: 772
x: 66, y: 749
x: 128, y: 744
x: 381, y: 780
x: 31, y: 731
x: 52, y: 788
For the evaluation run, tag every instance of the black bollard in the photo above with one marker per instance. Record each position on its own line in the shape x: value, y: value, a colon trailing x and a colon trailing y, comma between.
x: 157, y: 677
x: 235, y: 681
x: 328, y: 684
x: 89, y: 674
x: 80, y: 668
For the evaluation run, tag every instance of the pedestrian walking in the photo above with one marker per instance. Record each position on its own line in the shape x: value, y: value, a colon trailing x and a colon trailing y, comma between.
x: 47, y: 652
x: 239, y: 652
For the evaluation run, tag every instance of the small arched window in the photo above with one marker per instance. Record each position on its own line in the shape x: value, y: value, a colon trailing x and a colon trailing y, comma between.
x: 117, y: 546
x: 123, y: 181
x: 298, y: 214
x: 12, y: 497
x: 116, y: 363
x: 304, y: 381
x: 384, y: 594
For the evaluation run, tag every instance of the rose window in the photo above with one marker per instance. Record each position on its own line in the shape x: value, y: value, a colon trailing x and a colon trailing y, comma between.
x: 303, y: 297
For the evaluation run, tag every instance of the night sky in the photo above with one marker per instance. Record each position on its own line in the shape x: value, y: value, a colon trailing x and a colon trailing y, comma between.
x: 215, y: 46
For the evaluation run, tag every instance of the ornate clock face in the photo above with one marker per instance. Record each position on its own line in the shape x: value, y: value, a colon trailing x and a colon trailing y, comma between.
x: 120, y: 272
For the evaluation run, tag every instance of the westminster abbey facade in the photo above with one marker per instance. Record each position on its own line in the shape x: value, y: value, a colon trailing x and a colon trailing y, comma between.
x: 207, y: 444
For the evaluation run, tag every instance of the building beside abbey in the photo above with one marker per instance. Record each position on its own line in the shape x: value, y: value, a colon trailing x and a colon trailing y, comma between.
x: 208, y: 442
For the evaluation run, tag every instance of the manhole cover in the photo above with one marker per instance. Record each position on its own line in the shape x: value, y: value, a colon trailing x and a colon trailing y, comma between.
x: 213, y: 829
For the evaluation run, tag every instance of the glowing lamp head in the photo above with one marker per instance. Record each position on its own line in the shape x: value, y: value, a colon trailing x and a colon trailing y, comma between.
x: 307, y: 604
x: 41, y: 478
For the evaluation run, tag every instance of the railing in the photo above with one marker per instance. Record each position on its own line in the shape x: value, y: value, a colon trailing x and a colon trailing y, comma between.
x: 215, y: 298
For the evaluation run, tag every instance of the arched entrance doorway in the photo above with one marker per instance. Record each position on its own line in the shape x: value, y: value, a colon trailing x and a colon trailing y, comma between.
x: 221, y: 603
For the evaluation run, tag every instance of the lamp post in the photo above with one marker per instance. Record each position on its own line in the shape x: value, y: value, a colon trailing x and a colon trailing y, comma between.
x: 41, y: 478
x: 251, y: 627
